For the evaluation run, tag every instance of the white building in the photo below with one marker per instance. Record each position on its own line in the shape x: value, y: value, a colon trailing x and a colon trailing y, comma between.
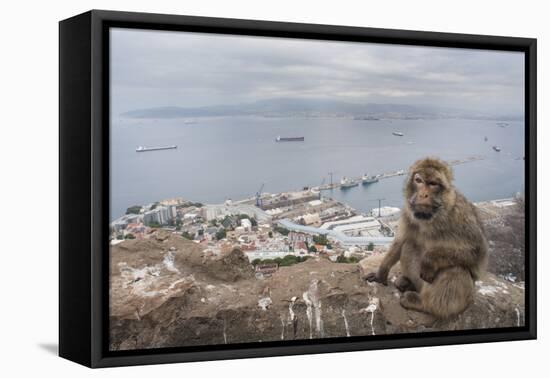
x: 121, y: 223
x: 266, y: 254
x: 310, y: 218
x: 160, y: 214
x: 246, y: 224
x: 222, y: 210
x: 385, y: 211
x: 366, y: 227
x: 294, y: 237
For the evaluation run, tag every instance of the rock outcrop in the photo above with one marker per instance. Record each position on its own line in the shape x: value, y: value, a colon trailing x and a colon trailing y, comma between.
x: 164, y: 293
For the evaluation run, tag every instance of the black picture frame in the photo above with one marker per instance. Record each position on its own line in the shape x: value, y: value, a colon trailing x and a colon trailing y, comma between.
x: 84, y: 186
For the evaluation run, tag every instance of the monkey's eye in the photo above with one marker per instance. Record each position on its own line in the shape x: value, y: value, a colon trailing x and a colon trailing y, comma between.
x: 418, y: 180
x: 433, y: 184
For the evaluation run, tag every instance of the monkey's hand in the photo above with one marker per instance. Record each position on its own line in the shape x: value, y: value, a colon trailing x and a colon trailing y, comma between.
x: 376, y: 277
x: 427, y: 271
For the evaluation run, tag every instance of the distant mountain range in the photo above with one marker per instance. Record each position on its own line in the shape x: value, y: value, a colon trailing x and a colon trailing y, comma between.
x: 298, y: 107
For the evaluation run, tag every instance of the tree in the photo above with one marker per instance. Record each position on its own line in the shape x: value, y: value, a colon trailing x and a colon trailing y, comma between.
x: 320, y: 239
x: 133, y: 209
x: 221, y: 234
x: 187, y: 235
x: 282, y: 230
x: 256, y: 262
x: 312, y: 248
x: 348, y: 260
x: 270, y: 234
x: 154, y: 224
x: 288, y: 260
x: 370, y: 247
x: 129, y: 236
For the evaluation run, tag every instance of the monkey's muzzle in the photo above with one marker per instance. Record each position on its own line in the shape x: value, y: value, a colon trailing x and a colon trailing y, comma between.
x: 424, y: 212
x: 422, y: 215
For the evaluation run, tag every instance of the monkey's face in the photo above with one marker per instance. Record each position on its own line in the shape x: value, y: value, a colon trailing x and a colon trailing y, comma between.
x: 426, y: 198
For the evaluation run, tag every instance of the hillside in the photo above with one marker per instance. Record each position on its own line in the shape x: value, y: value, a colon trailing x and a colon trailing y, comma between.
x: 164, y: 293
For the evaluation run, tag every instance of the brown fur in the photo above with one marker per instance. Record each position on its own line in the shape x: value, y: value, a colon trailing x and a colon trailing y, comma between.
x: 440, y: 243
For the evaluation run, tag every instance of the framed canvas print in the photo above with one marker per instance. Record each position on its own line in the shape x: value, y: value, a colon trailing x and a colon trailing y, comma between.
x: 234, y: 188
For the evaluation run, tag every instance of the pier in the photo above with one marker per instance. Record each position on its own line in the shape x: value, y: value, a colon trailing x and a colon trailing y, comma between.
x: 386, y: 175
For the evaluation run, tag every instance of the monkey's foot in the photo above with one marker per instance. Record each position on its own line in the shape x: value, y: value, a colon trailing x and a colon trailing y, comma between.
x: 411, y: 301
x: 374, y: 277
x: 404, y: 284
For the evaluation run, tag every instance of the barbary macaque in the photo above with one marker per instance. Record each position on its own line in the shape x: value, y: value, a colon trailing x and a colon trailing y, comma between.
x: 439, y: 243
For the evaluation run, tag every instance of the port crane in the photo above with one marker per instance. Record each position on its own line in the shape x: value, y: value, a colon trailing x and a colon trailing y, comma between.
x: 259, y: 196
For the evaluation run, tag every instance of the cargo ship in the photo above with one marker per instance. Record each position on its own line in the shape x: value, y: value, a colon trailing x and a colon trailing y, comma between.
x: 397, y: 133
x: 144, y: 149
x: 289, y: 139
x: 496, y: 148
x: 366, y: 118
x: 369, y: 179
x: 346, y: 183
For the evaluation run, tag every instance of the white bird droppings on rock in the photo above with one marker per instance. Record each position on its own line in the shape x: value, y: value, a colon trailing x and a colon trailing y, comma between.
x: 264, y: 303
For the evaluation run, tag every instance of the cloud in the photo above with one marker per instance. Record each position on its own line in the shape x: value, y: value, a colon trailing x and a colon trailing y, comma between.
x: 157, y: 68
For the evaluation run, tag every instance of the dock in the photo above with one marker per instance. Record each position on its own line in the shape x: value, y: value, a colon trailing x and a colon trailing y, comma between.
x: 399, y: 172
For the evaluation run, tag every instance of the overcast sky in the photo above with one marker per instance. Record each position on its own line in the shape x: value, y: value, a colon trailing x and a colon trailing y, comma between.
x: 157, y: 68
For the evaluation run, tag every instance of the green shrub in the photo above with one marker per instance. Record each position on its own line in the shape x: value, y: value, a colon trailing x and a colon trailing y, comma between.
x: 288, y: 260
x: 187, y: 235
x: 320, y: 239
x: 133, y: 209
x: 221, y: 234
x: 282, y: 230
x: 256, y: 262
x: 347, y: 260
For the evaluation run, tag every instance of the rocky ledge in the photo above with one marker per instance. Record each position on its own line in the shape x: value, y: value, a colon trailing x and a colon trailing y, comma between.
x: 165, y: 293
